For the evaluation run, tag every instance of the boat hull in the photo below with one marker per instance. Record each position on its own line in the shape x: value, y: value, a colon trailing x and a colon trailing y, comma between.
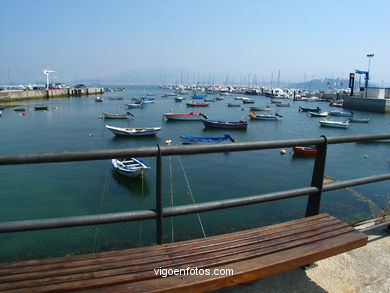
x: 133, y: 131
x: 182, y: 116
x: 334, y: 124
x: 224, y: 124
x: 131, y: 168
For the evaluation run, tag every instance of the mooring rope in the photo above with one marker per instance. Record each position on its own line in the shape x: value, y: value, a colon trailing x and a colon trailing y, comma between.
x: 191, y: 196
x: 171, y: 197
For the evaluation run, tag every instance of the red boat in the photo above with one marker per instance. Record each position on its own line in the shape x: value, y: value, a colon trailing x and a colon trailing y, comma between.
x: 197, y: 104
x: 306, y: 150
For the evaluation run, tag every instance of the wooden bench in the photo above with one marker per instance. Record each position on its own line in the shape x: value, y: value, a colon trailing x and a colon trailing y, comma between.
x: 251, y: 254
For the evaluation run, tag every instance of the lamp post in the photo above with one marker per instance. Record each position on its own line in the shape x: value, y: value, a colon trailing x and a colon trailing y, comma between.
x: 369, y: 56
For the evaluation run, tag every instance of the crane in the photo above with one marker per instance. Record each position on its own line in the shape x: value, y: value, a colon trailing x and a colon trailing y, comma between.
x: 366, y: 76
x: 46, y: 72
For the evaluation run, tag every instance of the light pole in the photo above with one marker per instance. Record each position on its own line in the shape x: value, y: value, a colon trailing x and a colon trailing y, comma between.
x: 369, y: 56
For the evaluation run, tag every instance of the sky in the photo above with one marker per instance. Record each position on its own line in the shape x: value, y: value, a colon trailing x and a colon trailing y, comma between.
x: 103, y: 38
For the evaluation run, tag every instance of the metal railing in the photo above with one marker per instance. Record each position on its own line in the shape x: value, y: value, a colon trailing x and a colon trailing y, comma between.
x: 314, y: 191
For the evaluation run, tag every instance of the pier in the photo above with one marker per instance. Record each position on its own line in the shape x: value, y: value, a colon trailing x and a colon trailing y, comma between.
x: 19, y: 95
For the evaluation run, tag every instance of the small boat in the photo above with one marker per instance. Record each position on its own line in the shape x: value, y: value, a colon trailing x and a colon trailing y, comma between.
x: 233, y: 105
x: 194, y: 139
x: 133, y: 131
x: 99, y: 99
x: 282, y: 104
x: 40, y: 108
x: 220, y: 98
x: 336, y: 124
x: 117, y: 116
x: 225, y: 124
x: 146, y: 100
x: 199, y: 96
x: 276, y: 101
x: 275, y: 116
x: 247, y: 101
x: 358, y: 120
x: 303, y: 109
x: 20, y: 109
x: 240, y: 98
x: 132, y: 167
x: 320, y: 114
x: 184, y: 116
x: 2, y: 107
x: 257, y: 108
x: 134, y: 105
x: 336, y: 104
x: 305, y: 150
x: 179, y: 99
x: 117, y: 98
x: 340, y: 113
x: 193, y: 104
x: 209, y: 99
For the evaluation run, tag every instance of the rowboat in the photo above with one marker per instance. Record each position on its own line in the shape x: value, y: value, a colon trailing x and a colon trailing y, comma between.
x: 303, y: 109
x: 257, y: 108
x: 99, y: 99
x: 133, y: 131
x: 340, y: 113
x: 224, y: 124
x: 194, y: 139
x: 321, y: 114
x: 254, y: 115
x: 184, y: 116
x: 38, y: 108
x: 192, y: 104
x: 233, y: 105
x: 336, y: 104
x: 132, y: 167
x: 107, y: 115
x: 358, y: 120
x: 179, y: 99
x: 305, y: 150
x: 336, y: 124
x: 134, y: 105
x: 247, y: 101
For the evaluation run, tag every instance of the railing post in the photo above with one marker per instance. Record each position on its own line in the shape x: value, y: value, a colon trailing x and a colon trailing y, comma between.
x: 313, y: 203
x: 159, y: 219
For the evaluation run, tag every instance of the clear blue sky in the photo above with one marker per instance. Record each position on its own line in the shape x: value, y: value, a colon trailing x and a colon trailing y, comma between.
x: 86, y: 38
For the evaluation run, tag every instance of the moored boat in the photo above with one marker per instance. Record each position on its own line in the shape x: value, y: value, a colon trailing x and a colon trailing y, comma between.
x: 117, y: 98
x: 184, y: 116
x: 341, y: 113
x: 132, y: 167
x: 258, y: 108
x: 358, y: 120
x: 179, y: 99
x: 134, y: 105
x: 336, y: 104
x: 193, y: 104
x: 108, y: 115
x: 40, y: 108
x: 336, y: 124
x: 321, y: 114
x: 282, y: 104
x: 304, y: 109
x: 225, y: 124
x: 233, y: 105
x: 133, y: 131
x: 247, y: 101
x: 99, y: 99
x: 305, y: 150
x: 196, y: 139
x: 254, y: 115
x: 20, y: 109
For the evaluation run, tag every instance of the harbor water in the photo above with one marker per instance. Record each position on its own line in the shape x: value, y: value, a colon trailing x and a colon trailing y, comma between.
x: 41, y: 191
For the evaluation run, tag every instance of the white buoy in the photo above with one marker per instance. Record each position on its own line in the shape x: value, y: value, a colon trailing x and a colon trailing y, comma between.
x: 283, y: 152
x: 365, y: 156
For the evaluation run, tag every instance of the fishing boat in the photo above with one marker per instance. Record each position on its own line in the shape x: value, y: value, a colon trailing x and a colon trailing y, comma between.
x: 257, y: 108
x: 40, y: 108
x: 134, y: 105
x: 233, y: 105
x: 133, y: 131
x: 305, y: 150
x: 108, y: 115
x: 225, y: 124
x: 132, y: 167
x: 193, y: 104
x: 358, y: 120
x: 282, y: 104
x: 340, y: 113
x: 195, y: 139
x: 303, y: 109
x: 99, y: 99
x: 320, y: 114
x: 254, y: 115
x: 336, y: 124
x: 184, y: 116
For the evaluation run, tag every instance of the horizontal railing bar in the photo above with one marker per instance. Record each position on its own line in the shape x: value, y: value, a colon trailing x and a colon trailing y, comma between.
x: 354, y: 182
x: 375, y: 226
x: 87, y: 155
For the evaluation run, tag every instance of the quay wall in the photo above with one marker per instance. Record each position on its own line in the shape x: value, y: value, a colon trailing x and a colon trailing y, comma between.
x: 366, y: 104
x: 10, y: 96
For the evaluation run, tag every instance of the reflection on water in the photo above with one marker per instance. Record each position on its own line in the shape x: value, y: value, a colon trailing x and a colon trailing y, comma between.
x: 138, y: 186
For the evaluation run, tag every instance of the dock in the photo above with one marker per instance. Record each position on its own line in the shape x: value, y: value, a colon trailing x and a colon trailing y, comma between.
x: 19, y: 95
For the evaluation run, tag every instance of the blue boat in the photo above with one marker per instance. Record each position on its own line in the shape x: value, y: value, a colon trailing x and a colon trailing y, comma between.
x: 225, y: 124
x: 193, y: 139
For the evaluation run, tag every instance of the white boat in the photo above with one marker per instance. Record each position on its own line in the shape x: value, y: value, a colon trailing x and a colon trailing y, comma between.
x: 134, y: 105
x: 341, y: 113
x: 254, y: 115
x: 247, y: 101
x: 336, y: 124
x: 99, y: 99
x: 133, y: 131
x: 132, y: 167
x: 108, y: 115
x: 191, y: 116
x: 321, y: 114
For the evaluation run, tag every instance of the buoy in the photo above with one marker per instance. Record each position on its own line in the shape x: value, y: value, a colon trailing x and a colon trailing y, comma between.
x: 90, y: 134
x: 24, y: 113
x: 283, y: 152
x: 365, y: 156
x: 168, y: 141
